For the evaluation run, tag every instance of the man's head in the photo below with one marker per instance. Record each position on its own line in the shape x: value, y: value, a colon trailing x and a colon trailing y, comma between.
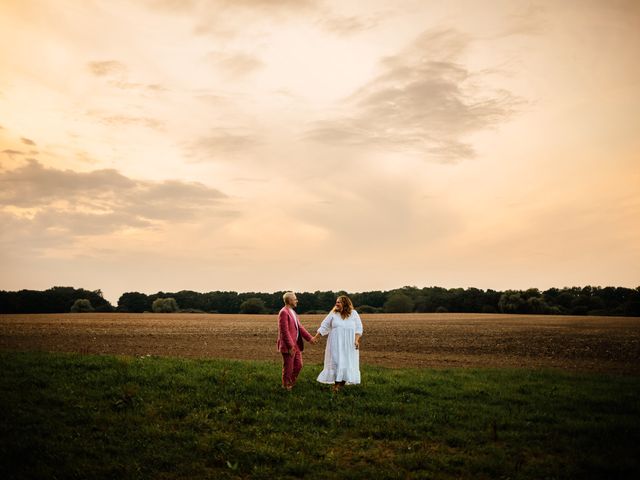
x: 290, y: 299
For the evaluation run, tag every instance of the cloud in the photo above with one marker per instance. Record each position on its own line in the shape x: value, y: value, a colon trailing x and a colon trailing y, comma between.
x: 348, y: 25
x: 228, y: 18
x: 28, y: 141
x: 235, y: 64
x: 172, y: 5
x: 148, y: 87
x: 116, y: 73
x: 107, y: 68
x: 128, y: 120
x: 11, y: 152
x: 424, y: 101
x: 101, y: 201
x: 176, y: 200
x: 262, y: 5
x: 211, y: 98
x: 289, y: 4
x: 64, y: 222
x: 222, y: 143
x: 528, y: 21
x: 33, y: 185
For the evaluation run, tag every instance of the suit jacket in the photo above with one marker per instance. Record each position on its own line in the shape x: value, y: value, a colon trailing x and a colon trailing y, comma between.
x: 287, y: 332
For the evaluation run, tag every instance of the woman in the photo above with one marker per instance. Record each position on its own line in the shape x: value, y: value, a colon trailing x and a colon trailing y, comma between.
x: 341, y: 355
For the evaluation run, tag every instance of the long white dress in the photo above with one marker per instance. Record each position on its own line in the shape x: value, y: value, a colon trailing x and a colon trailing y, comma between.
x: 341, y: 359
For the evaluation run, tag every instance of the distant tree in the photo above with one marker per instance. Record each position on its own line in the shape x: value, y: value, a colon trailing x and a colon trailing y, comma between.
x: 164, y: 305
x: 367, y: 309
x: 551, y: 295
x: 511, y: 301
x: 579, y: 310
x: 632, y: 308
x: 491, y: 299
x: 597, y: 306
x: 253, y: 305
x: 565, y: 299
x: 134, y: 302
x: 375, y: 298
x: 590, y: 300
x: 531, y: 293
x: 306, y: 302
x: 581, y: 301
x: 223, y: 302
x: 433, y: 297
x: 442, y: 309
x: 536, y: 305
x: 398, y: 303
x: 456, y: 299
x: 422, y: 304
x: 471, y: 300
x: 188, y: 299
x: 81, y: 305
x: 325, y: 300
x: 53, y: 300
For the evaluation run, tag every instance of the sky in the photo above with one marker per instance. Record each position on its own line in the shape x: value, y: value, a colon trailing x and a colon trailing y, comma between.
x: 266, y: 145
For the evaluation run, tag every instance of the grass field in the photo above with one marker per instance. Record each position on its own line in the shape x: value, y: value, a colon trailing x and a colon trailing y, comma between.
x: 86, y: 416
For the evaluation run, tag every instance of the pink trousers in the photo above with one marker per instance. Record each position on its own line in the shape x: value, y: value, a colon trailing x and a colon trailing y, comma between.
x: 291, y: 366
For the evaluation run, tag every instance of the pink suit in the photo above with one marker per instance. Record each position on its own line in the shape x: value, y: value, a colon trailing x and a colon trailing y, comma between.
x: 291, y: 334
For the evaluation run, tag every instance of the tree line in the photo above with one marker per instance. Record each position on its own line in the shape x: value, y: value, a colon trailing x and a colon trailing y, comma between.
x: 554, y: 301
x: 53, y: 300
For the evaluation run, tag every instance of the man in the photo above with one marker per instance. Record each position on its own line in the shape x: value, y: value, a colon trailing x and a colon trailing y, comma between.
x: 290, y: 340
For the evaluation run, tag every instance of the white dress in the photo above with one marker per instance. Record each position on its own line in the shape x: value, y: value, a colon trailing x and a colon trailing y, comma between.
x: 341, y: 359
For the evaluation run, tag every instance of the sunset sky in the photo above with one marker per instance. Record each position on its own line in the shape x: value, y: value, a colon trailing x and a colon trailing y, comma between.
x: 262, y: 145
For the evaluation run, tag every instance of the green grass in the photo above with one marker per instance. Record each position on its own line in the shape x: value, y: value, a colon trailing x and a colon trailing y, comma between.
x: 75, y: 416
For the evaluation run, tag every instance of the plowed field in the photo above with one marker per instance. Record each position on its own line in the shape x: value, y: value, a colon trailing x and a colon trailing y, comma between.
x: 603, y: 344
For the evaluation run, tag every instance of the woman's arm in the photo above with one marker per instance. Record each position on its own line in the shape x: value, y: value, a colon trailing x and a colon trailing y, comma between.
x: 325, y: 326
x: 358, y: 329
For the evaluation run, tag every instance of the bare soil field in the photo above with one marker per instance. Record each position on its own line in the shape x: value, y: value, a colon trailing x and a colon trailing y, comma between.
x: 598, y: 344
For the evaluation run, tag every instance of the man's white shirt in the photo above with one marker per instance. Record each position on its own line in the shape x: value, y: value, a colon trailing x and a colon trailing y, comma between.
x: 297, y: 321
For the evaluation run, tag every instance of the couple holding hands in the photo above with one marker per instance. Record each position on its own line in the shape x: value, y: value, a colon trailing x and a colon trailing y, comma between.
x: 341, y: 356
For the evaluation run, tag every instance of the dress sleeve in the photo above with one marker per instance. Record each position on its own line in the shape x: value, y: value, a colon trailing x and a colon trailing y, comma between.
x: 325, y: 326
x: 358, y: 323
